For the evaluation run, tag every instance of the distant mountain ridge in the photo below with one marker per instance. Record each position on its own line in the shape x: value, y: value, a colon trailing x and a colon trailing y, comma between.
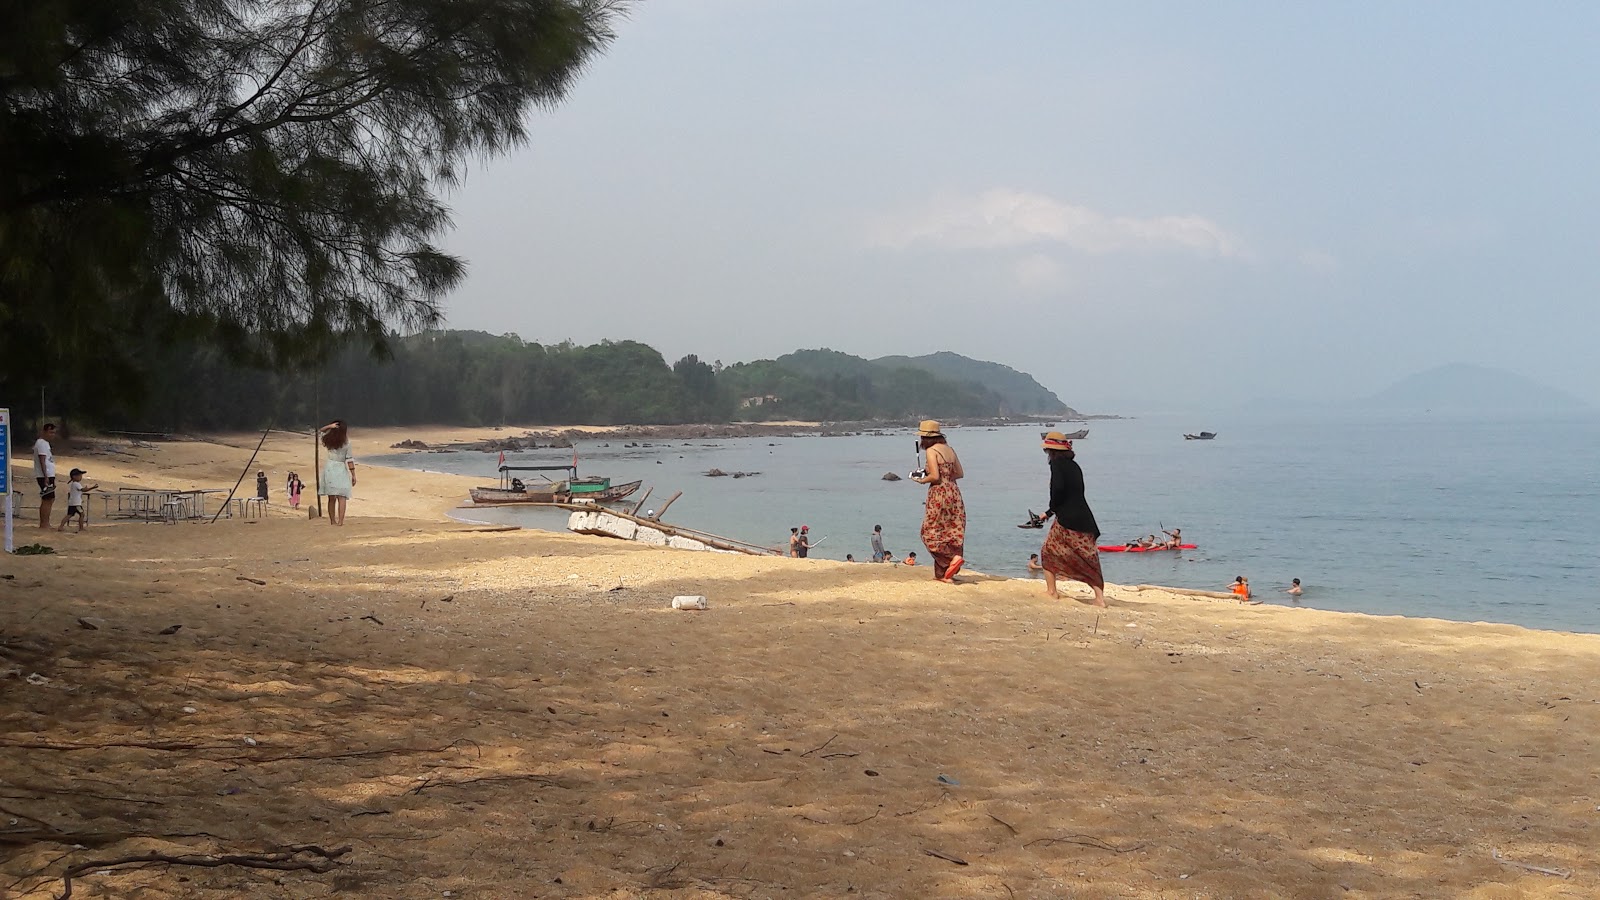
x: 1463, y: 387
x: 1021, y: 391
x: 968, y: 383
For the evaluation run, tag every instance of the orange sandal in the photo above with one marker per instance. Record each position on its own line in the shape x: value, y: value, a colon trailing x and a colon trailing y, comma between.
x: 955, y: 566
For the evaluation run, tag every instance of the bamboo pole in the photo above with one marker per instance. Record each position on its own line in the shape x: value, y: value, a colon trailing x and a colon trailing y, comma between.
x: 640, y: 505
x: 246, y: 471
x: 663, y: 510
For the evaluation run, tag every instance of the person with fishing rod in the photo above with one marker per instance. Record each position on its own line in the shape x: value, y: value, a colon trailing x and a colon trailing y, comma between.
x: 1069, y: 549
x: 944, y: 517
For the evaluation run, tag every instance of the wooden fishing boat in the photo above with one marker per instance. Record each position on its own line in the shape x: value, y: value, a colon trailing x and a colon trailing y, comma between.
x: 512, y: 489
x: 1074, y: 436
x: 1202, y: 436
x: 600, y: 490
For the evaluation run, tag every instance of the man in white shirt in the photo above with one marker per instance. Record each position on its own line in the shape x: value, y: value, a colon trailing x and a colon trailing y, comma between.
x: 44, y: 472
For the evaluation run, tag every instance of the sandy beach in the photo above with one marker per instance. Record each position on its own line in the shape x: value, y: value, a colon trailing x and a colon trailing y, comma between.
x: 447, y: 710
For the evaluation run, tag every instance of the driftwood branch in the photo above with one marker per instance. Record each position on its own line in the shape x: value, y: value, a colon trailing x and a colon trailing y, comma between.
x: 308, y: 858
x: 822, y: 746
x: 430, y: 782
x: 1083, y: 840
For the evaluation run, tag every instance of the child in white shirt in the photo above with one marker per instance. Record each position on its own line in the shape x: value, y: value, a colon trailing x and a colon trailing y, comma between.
x: 75, y: 504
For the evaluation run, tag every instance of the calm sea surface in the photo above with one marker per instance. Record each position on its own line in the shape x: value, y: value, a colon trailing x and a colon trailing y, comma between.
x: 1470, y: 520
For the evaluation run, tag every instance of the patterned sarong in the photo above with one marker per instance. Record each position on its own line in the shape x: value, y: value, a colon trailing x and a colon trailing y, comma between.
x: 944, y: 525
x: 1072, y: 555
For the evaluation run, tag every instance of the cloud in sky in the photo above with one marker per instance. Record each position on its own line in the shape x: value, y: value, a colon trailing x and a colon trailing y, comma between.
x: 1320, y: 261
x: 1002, y: 218
x: 1037, y: 272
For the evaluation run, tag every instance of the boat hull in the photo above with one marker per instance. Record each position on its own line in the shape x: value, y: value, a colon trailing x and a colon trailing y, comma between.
x: 492, y: 496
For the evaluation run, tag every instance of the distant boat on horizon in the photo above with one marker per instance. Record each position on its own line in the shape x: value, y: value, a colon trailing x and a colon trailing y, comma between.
x: 1202, y: 436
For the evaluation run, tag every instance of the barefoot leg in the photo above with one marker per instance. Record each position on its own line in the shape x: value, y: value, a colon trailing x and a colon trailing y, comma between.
x: 1050, y: 585
x: 1099, y: 596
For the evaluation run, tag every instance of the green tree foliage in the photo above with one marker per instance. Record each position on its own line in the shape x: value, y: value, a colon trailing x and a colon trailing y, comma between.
x: 1017, y: 391
x: 474, y: 378
x: 259, y: 176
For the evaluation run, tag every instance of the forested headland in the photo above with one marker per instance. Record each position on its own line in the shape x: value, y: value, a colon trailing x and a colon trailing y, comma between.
x: 474, y: 378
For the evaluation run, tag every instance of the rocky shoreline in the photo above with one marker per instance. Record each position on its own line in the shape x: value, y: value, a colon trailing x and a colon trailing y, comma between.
x: 534, y: 438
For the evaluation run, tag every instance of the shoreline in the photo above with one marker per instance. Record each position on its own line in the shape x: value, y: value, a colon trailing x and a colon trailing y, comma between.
x: 528, y: 437
x: 431, y: 495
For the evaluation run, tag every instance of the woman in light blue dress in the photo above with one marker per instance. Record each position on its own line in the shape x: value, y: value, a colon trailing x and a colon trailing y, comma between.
x: 338, y: 470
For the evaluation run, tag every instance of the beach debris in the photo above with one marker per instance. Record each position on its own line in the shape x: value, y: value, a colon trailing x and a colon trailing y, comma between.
x: 946, y: 779
x: 90, y: 624
x: 372, y: 618
x: 170, y: 629
x: 249, y: 579
x: 34, y: 550
x: 303, y: 857
x: 1012, y: 828
x: 1542, y: 870
x: 249, y: 742
x: 37, y: 680
x: 946, y: 857
x: 688, y: 602
x: 871, y: 773
x: 891, y: 476
x: 190, y: 710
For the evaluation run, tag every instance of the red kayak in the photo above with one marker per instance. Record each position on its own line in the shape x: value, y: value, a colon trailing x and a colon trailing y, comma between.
x: 1121, y: 549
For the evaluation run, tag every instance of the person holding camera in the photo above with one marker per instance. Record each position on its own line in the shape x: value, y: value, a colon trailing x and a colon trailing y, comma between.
x: 944, y: 516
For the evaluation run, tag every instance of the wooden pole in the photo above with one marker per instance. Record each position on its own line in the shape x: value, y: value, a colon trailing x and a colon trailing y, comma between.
x: 640, y: 505
x: 663, y: 510
x: 316, y: 470
x: 246, y: 471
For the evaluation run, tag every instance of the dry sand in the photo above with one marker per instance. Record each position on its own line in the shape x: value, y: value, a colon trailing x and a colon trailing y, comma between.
x: 517, y: 714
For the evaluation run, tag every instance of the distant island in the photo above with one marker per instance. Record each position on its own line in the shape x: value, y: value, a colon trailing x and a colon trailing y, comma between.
x: 476, y: 378
x: 1462, y: 387
x: 1454, y: 388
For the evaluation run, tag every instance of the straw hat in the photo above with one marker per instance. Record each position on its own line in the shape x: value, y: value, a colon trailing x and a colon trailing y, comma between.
x: 1055, y: 440
x: 929, y: 428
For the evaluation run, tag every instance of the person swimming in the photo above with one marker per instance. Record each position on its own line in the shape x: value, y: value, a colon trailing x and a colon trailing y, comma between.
x: 911, y: 560
x: 1294, y: 588
x: 1033, y: 563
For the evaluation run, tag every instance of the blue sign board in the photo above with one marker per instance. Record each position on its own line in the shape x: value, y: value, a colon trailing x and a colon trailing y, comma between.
x: 5, y: 451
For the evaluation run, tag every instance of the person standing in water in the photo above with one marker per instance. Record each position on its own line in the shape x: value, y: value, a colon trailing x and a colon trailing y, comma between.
x: 944, y: 517
x: 878, y: 553
x: 1069, y: 549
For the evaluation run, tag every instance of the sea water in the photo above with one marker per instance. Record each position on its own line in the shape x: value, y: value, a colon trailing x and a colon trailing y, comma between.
x: 1423, y: 516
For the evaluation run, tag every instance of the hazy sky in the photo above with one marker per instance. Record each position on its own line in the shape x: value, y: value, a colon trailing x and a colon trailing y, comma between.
x: 1149, y: 206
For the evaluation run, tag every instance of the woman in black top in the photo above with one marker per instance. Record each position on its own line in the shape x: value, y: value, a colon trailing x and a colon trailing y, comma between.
x: 1069, y: 550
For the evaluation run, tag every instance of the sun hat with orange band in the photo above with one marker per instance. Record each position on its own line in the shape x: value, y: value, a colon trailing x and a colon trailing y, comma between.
x: 1055, y: 440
